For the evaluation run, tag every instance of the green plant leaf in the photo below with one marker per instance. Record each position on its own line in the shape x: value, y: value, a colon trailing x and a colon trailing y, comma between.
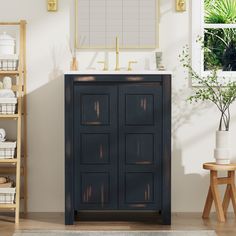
x: 220, y: 11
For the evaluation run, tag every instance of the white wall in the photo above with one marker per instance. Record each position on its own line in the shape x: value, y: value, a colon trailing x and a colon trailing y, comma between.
x: 48, y: 57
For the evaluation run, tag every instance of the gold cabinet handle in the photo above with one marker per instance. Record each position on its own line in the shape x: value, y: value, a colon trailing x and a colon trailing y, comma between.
x: 130, y: 64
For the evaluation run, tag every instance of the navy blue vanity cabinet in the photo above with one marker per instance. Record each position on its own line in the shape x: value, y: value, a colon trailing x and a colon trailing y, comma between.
x: 118, y: 144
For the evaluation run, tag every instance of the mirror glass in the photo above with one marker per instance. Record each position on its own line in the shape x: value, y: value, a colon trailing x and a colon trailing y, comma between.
x: 99, y: 22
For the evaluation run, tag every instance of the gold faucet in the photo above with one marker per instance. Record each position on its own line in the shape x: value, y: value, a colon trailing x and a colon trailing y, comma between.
x: 117, y: 54
x: 105, y: 65
x: 129, y: 65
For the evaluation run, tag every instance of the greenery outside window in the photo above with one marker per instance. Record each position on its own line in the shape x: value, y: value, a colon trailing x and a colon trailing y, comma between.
x: 215, y: 24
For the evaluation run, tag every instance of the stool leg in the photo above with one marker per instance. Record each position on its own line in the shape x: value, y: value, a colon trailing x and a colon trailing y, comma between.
x: 208, y: 204
x: 233, y: 190
x: 227, y: 197
x: 216, y: 197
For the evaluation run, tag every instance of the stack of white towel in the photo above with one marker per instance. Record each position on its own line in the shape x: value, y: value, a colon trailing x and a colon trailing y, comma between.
x: 2, y: 135
x: 5, y: 182
x: 5, y: 88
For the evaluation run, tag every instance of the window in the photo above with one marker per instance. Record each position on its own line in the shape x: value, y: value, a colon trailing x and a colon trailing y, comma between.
x: 215, y: 22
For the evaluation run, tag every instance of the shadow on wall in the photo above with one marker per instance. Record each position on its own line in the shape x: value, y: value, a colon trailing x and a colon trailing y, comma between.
x: 182, y: 183
x: 46, y: 144
x: 187, y: 184
x: 57, y: 72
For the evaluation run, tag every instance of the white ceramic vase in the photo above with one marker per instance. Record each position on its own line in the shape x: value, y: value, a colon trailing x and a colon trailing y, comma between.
x: 222, y: 150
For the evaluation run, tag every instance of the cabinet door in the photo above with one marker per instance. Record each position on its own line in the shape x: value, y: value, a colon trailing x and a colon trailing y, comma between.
x: 140, y: 124
x: 95, y: 144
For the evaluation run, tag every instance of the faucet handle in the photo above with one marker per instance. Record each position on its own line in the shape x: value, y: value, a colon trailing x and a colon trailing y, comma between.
x: 105, y: 67
x: 129, y: 65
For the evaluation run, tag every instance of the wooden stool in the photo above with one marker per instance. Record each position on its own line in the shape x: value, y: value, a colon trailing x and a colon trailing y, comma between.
x: 213, y: 193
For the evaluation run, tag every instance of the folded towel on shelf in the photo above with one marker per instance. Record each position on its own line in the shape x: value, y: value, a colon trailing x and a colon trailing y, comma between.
x: 7, y: 82
x: 2, y: 135
x: 6, y: 185
x: 3, y: 180
x: 7, y: 93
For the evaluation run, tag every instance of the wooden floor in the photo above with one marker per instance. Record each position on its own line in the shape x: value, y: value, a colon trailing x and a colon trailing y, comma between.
x: 55, y: 221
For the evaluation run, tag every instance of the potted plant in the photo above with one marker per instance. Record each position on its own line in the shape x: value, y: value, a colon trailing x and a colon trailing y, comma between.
x: 222, y: 93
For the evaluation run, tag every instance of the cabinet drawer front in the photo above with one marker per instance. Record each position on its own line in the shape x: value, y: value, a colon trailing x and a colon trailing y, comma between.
x: 95, y: 188
x: 95, y: 148
x: 139, y: 188
x: 95, y: 109
x: 95, y: 105
x: 139, y: 109
x: 140, y: 104
x: 139, y: 149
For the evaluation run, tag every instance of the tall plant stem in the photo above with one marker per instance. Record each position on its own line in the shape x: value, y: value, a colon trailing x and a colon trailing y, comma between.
x: 229, y: 117
x: 220, y: 125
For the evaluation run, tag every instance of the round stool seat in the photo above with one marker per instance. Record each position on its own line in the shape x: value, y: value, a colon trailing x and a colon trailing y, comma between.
x: 216, y: 167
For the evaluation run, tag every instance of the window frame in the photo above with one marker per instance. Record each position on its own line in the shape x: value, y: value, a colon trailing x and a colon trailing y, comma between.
x: 198, y: 26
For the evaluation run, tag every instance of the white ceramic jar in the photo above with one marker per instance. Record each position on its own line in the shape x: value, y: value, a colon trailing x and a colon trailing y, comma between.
x: 7, y: 44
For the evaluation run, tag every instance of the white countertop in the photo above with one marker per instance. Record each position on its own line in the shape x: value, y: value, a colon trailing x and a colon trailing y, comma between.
x: 137, y: 72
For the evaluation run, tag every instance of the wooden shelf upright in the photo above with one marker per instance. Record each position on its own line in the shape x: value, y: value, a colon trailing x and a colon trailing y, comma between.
x: 18, y: 166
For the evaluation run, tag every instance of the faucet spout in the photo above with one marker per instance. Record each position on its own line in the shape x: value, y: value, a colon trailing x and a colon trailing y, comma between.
x: 117, y: 54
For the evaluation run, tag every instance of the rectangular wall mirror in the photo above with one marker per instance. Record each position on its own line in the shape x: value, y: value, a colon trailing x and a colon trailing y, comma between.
x: 99, y: 22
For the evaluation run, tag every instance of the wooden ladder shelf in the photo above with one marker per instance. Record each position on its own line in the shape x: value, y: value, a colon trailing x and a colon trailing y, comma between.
x: 18, y: 165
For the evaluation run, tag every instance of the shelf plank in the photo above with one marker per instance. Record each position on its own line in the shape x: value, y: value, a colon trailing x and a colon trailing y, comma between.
x: 14, y: 160
x: 10, y: 170
x: 9, y: 23
x: 14, y: 116
x: 9, y: 72
x: 7, y: 206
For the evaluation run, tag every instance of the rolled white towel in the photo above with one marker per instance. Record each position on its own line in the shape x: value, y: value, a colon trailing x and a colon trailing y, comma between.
x: 3, y: 180
x: 6, y: 93
x: 7, y: 82
x: 2, y: 135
